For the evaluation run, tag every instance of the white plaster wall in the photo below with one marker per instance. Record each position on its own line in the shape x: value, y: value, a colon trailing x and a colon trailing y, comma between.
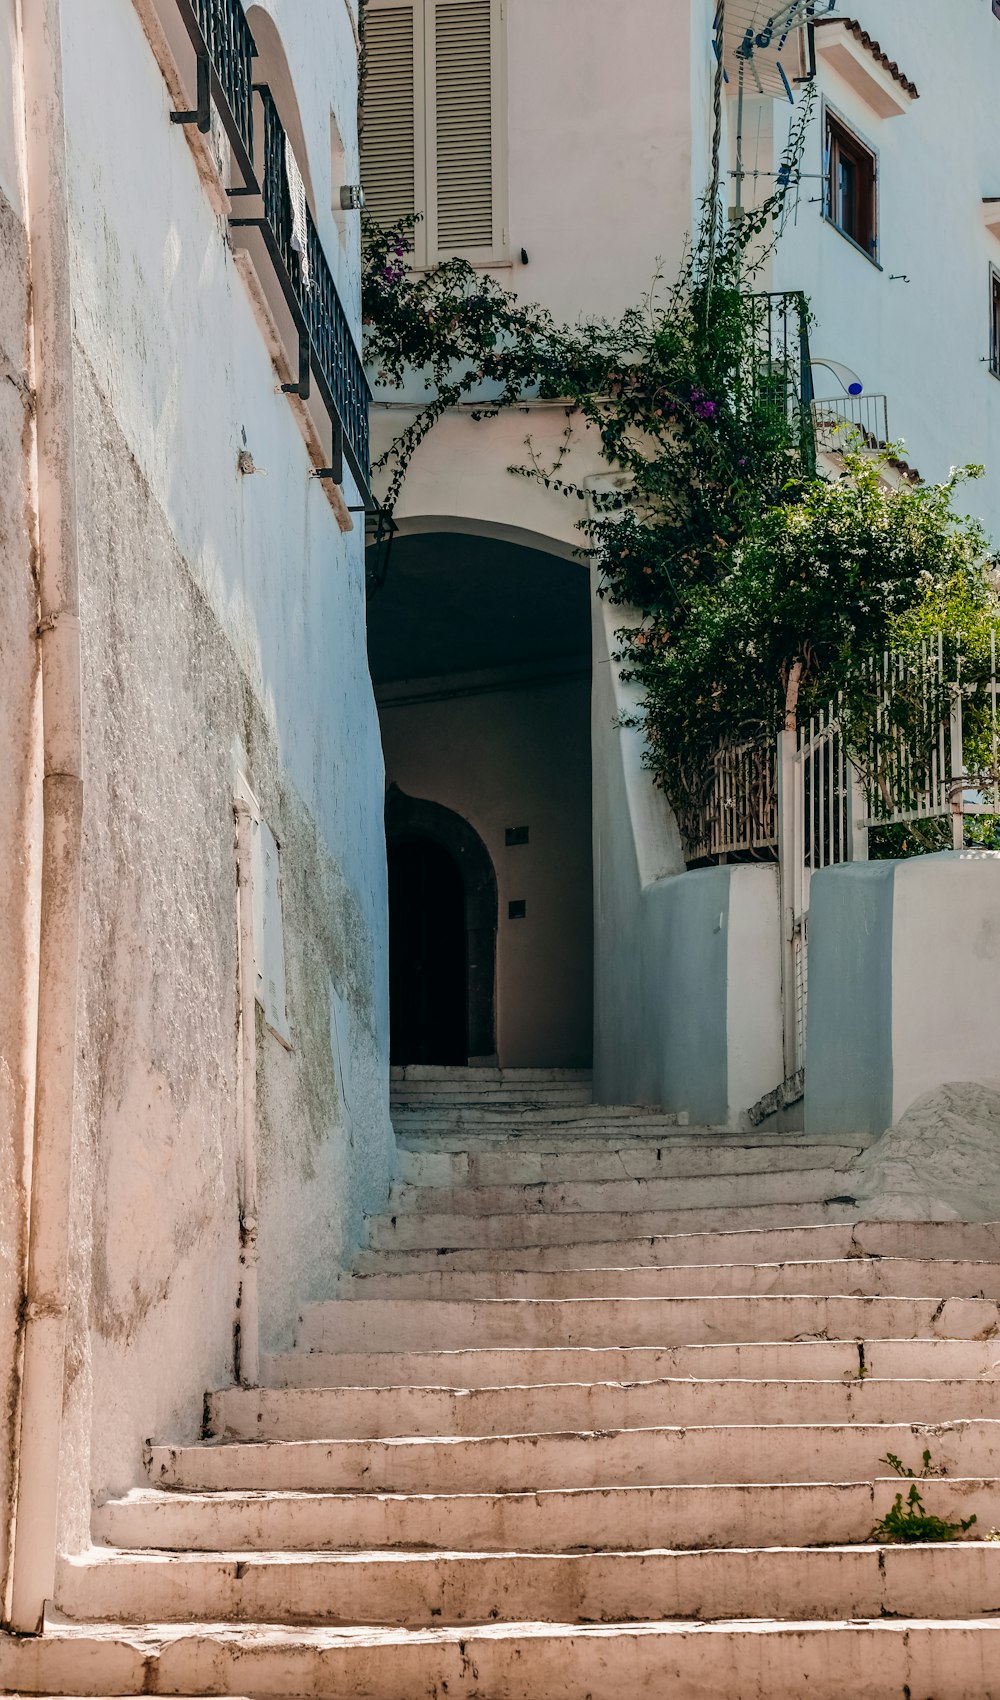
x: 601, y: 145
x: 216, y: 609
x: 687, y: 966
x: 904, y: 990
x: 18, y: 744
x: 945, y: 972
x: 925, y: 343
x: 515, y: 758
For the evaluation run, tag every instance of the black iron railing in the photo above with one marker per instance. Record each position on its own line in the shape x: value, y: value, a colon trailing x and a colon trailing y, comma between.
x: 778, y: 370
x: 225, y: 50
x: 327, y: 348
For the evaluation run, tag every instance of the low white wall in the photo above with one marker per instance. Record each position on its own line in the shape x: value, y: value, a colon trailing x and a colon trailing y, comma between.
x: 687, y: 966
x: 904, y: 985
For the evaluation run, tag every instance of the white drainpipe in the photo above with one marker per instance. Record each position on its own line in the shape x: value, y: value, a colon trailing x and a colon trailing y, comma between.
x: 36, y: 1510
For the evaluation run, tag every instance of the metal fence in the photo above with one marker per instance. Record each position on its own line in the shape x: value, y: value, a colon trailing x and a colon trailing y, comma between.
x: 836, y: 419
x: 931, y: 752
x: 225, y: 50
x: 777, y: 370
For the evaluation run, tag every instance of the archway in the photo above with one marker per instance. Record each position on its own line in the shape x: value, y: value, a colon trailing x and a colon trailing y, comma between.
x: 442, y: 935
x: 480, y: 656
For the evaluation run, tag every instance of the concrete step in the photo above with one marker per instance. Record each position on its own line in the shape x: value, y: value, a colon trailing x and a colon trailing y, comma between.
x: 607, y: 1518
x: 379, y: 1325
x: 354, y: 1413
x: 861, y: 1275
x: 443, y: 1232
x: 789, y: 1452
x: 447, y: 1124
x: 957, y: 1659
x: 968, y: 1242
x: 516, y: 1366
x: 462, y: 1079
x: 679, y: 1158
x: 414, y: 1589
x: 562, y: 1198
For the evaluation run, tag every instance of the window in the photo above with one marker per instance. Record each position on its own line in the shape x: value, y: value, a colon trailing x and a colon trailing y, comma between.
x: 995, y: 322
x: 850, y: 187
x: 432, y: 140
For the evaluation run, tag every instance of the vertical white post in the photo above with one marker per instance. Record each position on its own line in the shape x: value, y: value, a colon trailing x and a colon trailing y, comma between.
x: 789, y: 878
x: 957, y: 786
x: 857, y: 804
x: 248, y: 1319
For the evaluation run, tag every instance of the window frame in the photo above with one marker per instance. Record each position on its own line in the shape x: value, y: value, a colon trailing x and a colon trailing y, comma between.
x: 994, y: 358
x: 840, y: 137
x: 427, y: 250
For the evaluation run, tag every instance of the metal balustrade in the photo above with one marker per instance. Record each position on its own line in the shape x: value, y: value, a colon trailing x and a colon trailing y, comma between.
x: 851, y: 420
x: 225, y: 51
x: 777, y: 372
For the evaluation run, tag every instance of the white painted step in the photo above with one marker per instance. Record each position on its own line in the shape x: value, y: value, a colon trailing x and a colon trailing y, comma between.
x: 789, y: 1452
x: 614, y: 1160
x: 951, y: 1580
x: 464, y: 1078
x: 729, y: 1514
x: 977, y: 1242
x: 797, y: 1360
x: 872, y: 1660
x: 382, y: 1325
x: 443, y: 1232
x: 354, y: 1413
x: 883, y: 1275
x: 802, y: 1186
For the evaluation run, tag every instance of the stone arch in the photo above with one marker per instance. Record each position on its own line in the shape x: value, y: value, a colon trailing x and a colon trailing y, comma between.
x: 417, y: 817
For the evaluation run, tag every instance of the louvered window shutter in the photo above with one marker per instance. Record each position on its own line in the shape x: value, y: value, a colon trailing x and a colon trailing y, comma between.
x: 461, y: 126
x: 432, y: 140
x: 393, y: 160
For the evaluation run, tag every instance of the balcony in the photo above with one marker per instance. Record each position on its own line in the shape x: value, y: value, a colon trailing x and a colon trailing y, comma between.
x: 219, y: 49
x: 858, y: 420
x: 778, y: 373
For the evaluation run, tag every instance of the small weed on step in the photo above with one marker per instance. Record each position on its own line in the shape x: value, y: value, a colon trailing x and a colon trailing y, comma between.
x: 908, y: 1520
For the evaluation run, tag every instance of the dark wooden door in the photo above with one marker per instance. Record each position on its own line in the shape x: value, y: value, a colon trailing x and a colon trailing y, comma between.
x: 428, y: 979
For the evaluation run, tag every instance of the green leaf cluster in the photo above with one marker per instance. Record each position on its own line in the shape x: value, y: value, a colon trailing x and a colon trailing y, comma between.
x: 753, y: 590
x: 909, y: 1520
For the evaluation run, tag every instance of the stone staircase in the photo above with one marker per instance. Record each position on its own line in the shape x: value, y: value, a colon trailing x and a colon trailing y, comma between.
x: 602, y: 1413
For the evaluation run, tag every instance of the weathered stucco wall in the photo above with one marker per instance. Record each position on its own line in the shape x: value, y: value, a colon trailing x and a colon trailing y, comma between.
x: 519, y: 758
x: 904, y: 992
x: 19, y: 794
x: 220, y: 612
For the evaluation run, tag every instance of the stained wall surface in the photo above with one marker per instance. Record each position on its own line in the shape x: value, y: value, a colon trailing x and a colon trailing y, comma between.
x: 19, y: 769
x: 223, y: 628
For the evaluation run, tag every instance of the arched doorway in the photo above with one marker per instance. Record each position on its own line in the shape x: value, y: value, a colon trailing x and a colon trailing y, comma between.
x: 442, y: 936
x: 480, y: 656
x: 427, y: 968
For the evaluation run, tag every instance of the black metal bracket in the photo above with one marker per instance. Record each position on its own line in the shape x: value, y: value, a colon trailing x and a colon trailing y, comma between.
x: 202, y: 115
x: 335, y: 472
x: 301, y: 388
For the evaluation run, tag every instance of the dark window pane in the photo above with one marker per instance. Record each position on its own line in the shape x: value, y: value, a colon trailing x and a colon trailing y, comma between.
x: 847, y: 196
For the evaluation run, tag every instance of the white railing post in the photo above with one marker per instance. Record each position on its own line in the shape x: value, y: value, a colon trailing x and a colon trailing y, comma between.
x: 956, y: 788
x: 857, y: 806
x: 789, y: 883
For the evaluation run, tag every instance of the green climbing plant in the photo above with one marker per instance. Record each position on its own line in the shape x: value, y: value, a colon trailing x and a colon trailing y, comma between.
x: 752, y: 589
